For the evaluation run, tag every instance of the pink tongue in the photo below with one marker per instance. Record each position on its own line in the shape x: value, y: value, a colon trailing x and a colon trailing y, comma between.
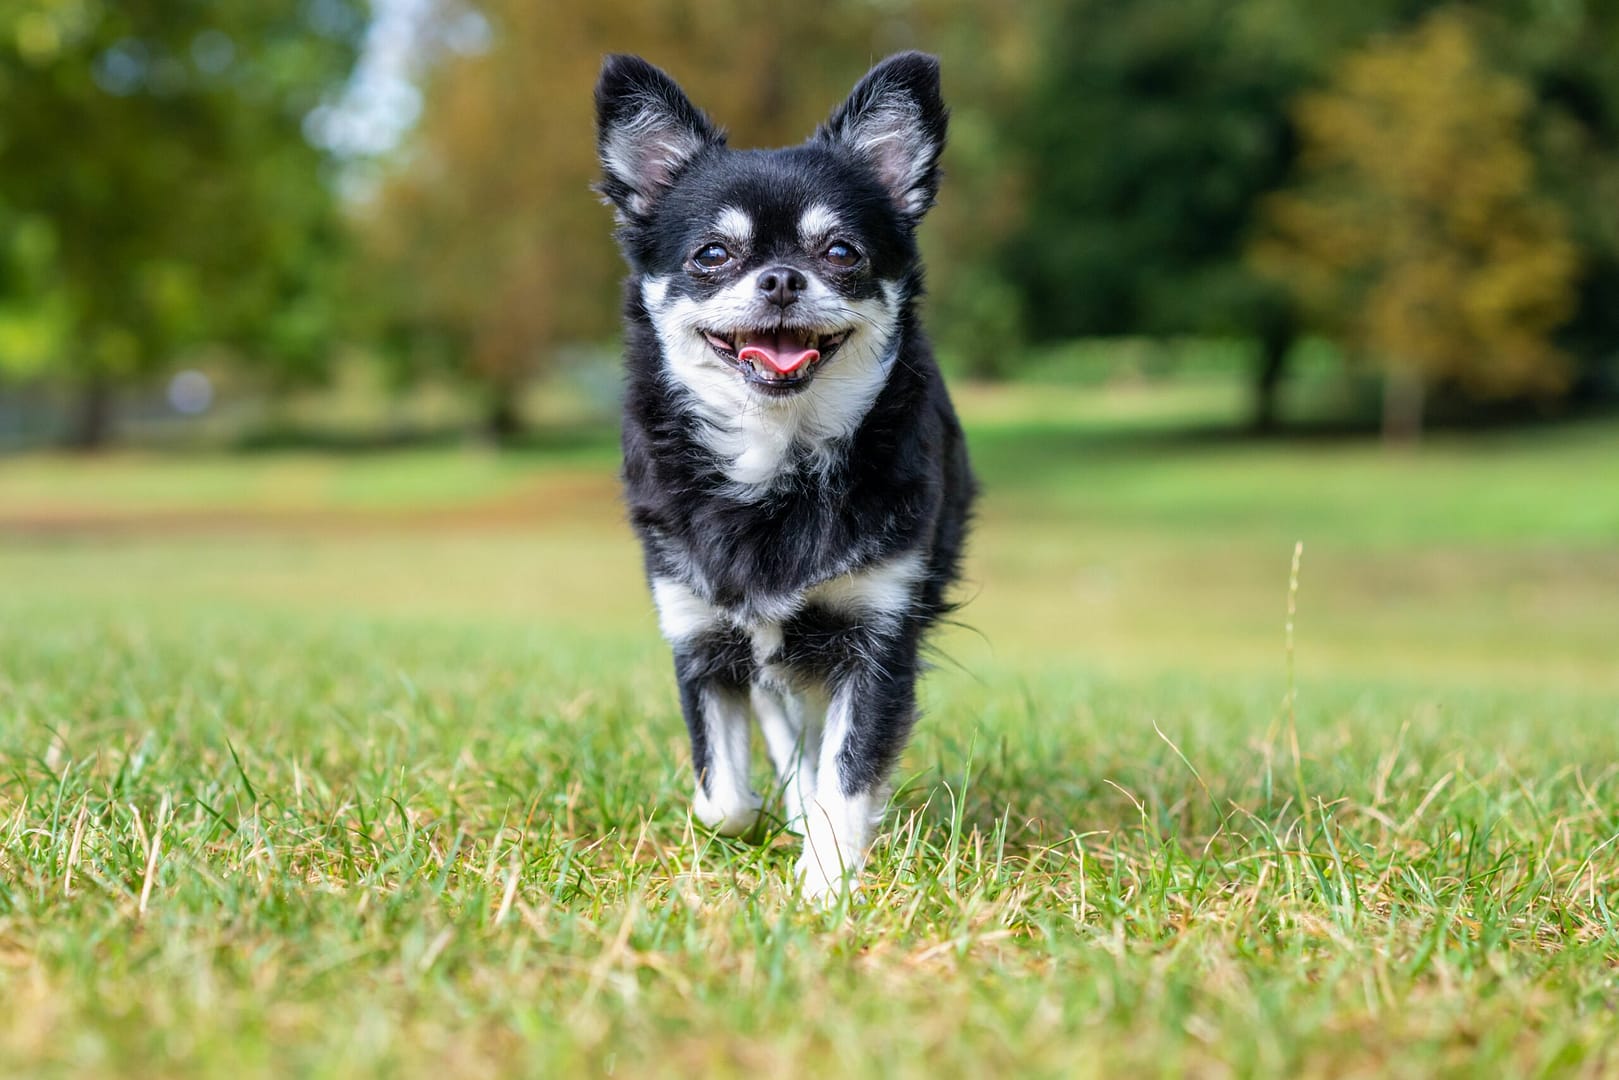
x: 782, y: 353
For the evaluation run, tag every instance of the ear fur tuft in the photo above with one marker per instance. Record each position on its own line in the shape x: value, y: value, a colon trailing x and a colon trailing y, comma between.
x: 896, y: 119
x: 647, y: 131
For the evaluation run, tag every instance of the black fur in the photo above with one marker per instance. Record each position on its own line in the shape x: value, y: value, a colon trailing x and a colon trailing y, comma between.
x: 901, y: 483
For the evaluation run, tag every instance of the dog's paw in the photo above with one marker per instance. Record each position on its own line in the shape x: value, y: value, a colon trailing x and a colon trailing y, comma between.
x: 734, y: 816
x: 820, y: 883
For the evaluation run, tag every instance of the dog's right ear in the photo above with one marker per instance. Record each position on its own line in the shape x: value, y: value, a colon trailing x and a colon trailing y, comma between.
x: 647, y: 130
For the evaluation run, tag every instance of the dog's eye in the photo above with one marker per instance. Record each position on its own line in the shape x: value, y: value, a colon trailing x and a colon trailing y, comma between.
x: 841, y: 254
x: 712, y: 257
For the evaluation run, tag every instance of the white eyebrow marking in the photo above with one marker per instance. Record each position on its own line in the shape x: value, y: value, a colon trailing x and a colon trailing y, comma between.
x: 735, y: 224
x: 817, y: 223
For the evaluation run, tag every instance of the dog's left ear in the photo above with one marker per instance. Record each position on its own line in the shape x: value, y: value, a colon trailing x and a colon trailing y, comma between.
x: 896, y: 120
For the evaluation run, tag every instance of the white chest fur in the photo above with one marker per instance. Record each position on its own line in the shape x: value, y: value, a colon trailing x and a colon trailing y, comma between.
x: 757, y: 438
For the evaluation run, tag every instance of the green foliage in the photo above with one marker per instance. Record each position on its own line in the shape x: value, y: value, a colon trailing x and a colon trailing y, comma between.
x: 1106, y: 171
x: 33, y: 308
x: 156, y: 189
x: 1415, y: 231
x: 1150, y: 134
x: 1156, y: 132
x: 1565, y: 55
x: 990, y: 55
x: 1152, y: 131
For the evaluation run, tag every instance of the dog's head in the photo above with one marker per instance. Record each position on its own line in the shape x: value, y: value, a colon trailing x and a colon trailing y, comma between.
x: 765, y: 270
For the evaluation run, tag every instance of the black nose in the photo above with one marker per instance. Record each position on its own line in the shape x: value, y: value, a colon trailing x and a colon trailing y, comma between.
x: 781, y: 285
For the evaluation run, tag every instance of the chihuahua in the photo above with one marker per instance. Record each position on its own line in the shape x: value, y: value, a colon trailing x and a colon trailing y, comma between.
x: 793, y: 466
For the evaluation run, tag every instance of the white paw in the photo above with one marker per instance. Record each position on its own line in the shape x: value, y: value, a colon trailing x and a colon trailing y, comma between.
x: 822, y: 881
x: 733, y: 815
x: 814, y: 883
x: 838, y: 830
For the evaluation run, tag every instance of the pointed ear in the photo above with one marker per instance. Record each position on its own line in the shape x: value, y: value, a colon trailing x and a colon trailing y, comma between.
x: 896, y: 120
x: 646, y: 132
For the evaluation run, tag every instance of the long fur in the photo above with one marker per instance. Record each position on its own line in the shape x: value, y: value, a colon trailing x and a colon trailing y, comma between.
x: 799, y: 543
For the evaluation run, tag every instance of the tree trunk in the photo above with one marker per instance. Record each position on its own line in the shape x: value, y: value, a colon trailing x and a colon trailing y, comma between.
x: 1275, y: 343
x: 1403, y: 401
x: 503, y: 422
x: 92, y: 416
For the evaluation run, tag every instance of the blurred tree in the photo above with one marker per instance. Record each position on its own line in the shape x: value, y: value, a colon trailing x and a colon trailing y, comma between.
x: 156, y: 190
x: 1155, y: 129
x: 990, y: 56
x: 1565, y: 52
x: 1148, y: 139
x: 1414, y: 232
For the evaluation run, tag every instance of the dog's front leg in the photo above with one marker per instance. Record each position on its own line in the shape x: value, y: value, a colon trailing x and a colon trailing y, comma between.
x: 869, y: 718
x: 718, y: 721
x: 791, y: 724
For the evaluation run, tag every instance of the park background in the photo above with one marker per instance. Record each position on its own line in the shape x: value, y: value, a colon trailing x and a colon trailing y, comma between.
x: 1279, y: 730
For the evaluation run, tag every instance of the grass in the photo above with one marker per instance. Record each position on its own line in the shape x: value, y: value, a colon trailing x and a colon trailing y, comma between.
x: 370, y: 765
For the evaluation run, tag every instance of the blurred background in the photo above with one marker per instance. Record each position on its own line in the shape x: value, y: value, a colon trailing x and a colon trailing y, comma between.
x: 325, y: 220
x: 1211, y: 277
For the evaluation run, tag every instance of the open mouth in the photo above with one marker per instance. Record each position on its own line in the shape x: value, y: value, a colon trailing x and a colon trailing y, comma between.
x: 779, y: 360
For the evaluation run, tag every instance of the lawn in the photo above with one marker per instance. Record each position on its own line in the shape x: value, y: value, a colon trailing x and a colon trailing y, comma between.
x: 370, y: 765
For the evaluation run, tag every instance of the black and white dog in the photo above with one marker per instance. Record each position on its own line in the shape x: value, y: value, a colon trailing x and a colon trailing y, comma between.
x: 792, y: 462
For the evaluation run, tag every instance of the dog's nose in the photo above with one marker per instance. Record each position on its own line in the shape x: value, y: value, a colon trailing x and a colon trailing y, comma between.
x: 781, y: 285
